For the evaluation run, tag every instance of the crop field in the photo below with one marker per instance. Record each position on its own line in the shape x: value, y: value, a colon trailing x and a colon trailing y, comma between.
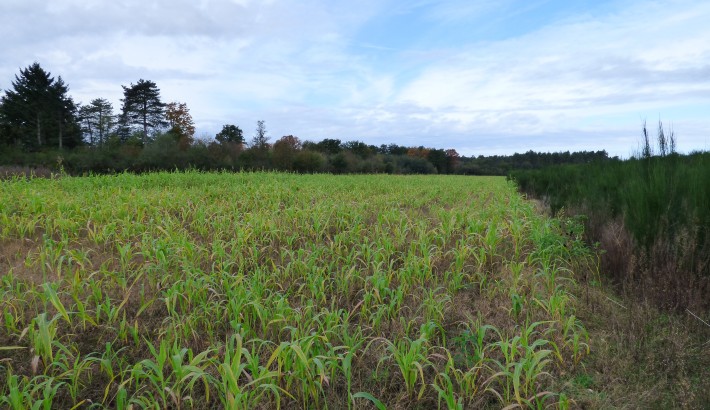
x: 267, y: 290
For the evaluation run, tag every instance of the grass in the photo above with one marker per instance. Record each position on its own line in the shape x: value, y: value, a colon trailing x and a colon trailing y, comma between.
x: 267, y: 290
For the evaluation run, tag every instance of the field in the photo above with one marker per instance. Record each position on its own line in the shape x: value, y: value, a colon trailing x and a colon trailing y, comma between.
x: 267, y: 290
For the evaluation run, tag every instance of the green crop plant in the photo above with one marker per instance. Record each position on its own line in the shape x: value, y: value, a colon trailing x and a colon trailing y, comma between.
x: 411, y: 358
x: 235, y: 394
x: 16, y: 395
x: 267, y: 290
x: 445, y: 389
x: 42, y: 333
x: 435, y: 304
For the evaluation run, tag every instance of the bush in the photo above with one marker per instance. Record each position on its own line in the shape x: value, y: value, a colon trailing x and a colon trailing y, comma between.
x: 414, y: 165
x: 659, y: 202
x: 308, y: 161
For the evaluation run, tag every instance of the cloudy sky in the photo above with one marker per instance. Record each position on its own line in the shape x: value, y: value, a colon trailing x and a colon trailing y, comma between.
x: 481, y: 76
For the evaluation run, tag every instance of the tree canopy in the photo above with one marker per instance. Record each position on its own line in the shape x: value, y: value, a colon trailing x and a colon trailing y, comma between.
x: 37, y: 117
x: 38, y: 111
x: 142, y: 109
x: 230, y: 134
x: 97, y: 121
x: 260, y: 141
x: 180, y: 122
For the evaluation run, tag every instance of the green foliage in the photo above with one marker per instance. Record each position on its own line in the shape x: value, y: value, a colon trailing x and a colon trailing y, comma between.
x: 655, y: 196
x: 230, y: 134
x: 39, y: 116
x: 650, y: 215
x: 142, y: 109
x: 97, y: 121
x: 504, y: 164
x: 260, y: 141
x: 414, y: 165
x: 284, y: 152
x: 308, y: 162
x: 38, y: 112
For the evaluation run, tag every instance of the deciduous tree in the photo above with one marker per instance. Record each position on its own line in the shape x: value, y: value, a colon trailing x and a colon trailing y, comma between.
x: 230, y: 134
x: 260, y: 141
x: 285, y: 150
x: 180, y: 123
x: 453, y: 158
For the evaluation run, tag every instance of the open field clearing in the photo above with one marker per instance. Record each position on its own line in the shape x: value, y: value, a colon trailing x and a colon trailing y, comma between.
x: 274, y: 290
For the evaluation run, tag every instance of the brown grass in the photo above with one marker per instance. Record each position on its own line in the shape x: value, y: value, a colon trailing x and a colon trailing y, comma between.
x: 647, y: 321
x: 14, y: 171
x: 642, y: 357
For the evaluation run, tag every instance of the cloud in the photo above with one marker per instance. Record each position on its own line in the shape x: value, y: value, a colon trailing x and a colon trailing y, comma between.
x: 553, y: 78
x: 426, y: 72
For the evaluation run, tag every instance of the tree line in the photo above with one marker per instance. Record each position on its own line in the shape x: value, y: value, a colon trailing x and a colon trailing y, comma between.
x: 41, y: 126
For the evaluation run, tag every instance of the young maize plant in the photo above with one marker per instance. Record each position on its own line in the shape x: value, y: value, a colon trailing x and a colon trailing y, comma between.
x: 268, y: 290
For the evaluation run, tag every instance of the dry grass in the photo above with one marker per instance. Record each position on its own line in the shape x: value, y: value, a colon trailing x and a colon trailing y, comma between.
x: 647, y: 323
x: 642, y: 357
x: 11, y: 171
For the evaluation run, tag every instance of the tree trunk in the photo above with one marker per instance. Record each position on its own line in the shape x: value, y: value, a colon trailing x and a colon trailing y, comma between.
x: 39, y: 137
x: 145, y: 122
x: 101, y: 128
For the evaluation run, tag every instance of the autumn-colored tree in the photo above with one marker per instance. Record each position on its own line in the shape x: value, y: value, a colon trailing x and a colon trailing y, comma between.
x: 420, y: 152
x: 453, y: 158
x: 290, y: 141
x: 180, y: 122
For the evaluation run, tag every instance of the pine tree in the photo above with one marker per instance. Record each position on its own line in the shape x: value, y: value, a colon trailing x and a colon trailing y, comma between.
x: 97, y: 120
x: 142, y: 108
x: 38, y: 112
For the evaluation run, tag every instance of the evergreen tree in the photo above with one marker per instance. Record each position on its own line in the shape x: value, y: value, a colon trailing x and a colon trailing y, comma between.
x: 97, y: 120
x: 230, y: 134
x: 38, y: 111
x: 260, y: 141
x: 142, y: 108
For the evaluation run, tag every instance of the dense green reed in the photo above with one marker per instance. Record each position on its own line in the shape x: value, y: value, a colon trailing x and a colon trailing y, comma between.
x: 266, y: 290
x: 656, y: 196
x: 661, y: 201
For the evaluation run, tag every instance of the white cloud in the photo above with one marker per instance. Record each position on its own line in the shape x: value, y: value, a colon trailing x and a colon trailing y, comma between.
x: 641, y: 60
x: 301, y: 66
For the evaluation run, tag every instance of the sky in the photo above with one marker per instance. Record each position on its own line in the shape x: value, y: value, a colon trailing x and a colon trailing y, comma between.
x: 483, y: 77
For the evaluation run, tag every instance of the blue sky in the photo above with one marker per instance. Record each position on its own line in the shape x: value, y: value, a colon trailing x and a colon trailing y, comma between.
x: 482, y: 77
